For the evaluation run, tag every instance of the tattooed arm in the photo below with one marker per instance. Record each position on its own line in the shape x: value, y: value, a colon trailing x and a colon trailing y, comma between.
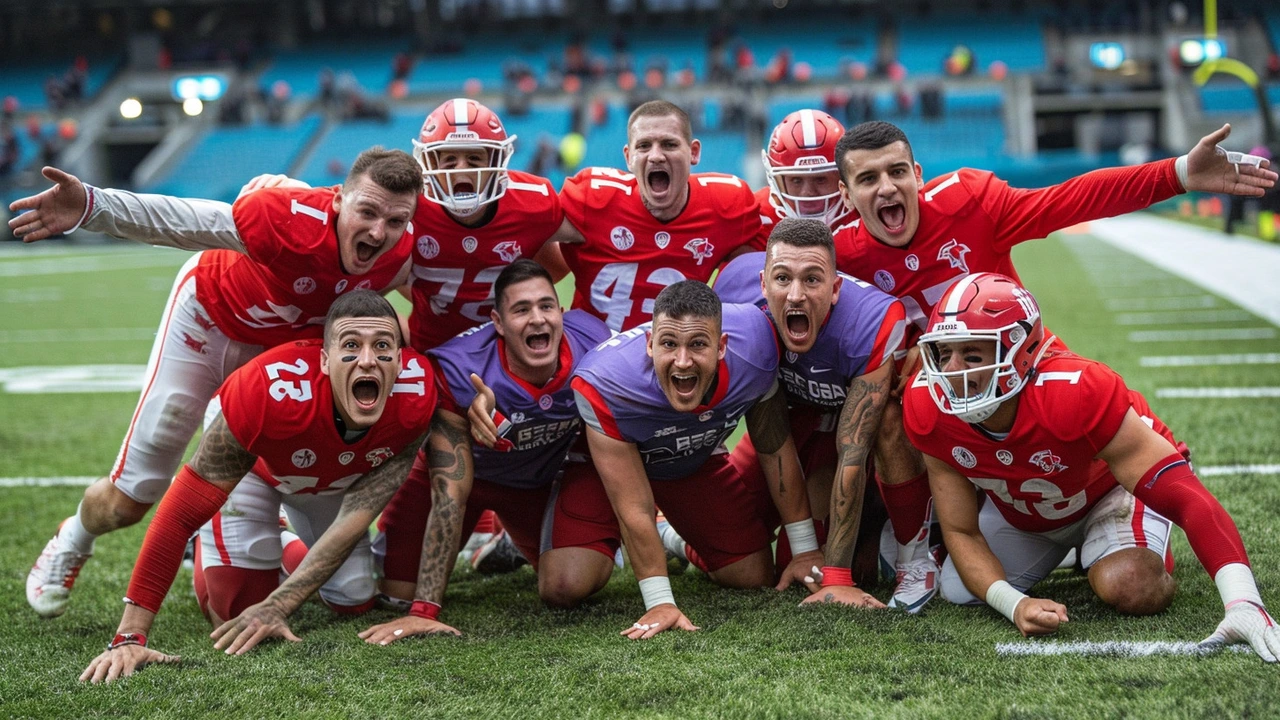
x: 360, y: 506
x: 855, y: 437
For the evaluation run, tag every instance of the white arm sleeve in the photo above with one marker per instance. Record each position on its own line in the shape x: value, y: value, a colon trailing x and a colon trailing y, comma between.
x: 184, y: 223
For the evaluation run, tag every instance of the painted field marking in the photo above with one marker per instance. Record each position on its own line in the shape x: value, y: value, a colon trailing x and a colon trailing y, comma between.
x: 67, y: 265
x: 1209, y: 334
x: 1218, y: 393
x: 1184, y: 317
x: 38, y: 380
x: 1215, y: 470
x: 1171, y: 302
x: 1113, y: 648
x: 32, y: 295
x: 77, y: 335
x: 1202, y: 360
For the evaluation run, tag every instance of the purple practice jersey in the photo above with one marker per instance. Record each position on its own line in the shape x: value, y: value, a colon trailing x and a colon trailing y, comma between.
x: 861, y: 333
x: 618, y: 394
x: 544, y: 420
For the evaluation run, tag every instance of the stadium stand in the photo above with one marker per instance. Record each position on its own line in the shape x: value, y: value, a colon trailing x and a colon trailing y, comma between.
x: 923, y: 44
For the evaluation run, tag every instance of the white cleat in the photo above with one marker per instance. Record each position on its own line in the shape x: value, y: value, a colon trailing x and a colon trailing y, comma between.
x: 498, y: 556
x: 50, y: 580
x: 917, y: 584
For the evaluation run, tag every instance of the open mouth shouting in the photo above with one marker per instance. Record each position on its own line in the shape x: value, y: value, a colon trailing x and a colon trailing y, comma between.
x: 539, y: 343
x: 659, y: 182
x: 365, y: 391
x: 893, y: 216
x: 366, y: 251
x: 685, y: 385
x: 797, y: 325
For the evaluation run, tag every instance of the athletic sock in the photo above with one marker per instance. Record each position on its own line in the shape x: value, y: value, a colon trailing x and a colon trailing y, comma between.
x: 908, y: 506
x: 72, y: 535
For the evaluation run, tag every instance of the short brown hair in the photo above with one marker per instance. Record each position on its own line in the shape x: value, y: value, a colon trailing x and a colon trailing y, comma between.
x: 360, y: 304
x: 661, y: 108
x: 803, y: 232
x: 394, y: 170
x: 870, y: 135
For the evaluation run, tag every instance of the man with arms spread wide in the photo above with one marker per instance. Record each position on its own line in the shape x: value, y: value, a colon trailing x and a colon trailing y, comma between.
x: 329, y: 428
x: 272, y: 264
x: 658, y: 402
x: 1067, y: 456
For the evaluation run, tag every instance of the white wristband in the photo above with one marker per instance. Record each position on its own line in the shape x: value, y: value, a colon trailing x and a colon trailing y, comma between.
x: 1004, y: 598
x: 88, y: 208
x: 1235, y: 582
x: 802, y: 535
x: 656, y: 590
x: 1180, y: 167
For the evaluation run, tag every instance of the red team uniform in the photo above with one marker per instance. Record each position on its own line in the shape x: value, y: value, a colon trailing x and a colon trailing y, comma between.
x: 629, y: 256
x: 970, y: 220
x: 454, y: 266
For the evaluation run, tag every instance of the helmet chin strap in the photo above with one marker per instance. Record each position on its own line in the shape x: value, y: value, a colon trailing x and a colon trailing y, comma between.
x: 974, y: 417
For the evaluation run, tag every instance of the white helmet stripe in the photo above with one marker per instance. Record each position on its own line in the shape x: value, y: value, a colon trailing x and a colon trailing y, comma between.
x: 957, y: 292
x: 459, y: 111
x: 809, y: 128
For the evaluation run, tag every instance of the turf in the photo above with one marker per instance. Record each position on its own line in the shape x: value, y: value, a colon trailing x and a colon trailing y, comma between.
x: 758, y: 655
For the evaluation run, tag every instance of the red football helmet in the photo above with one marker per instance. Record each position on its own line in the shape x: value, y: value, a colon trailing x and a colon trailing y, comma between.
x: 804, y: 143
x: 983, y: 307
x: 462, y: 124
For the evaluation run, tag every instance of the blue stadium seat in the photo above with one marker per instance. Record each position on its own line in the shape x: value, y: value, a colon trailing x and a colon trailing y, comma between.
x: 924, y: 44
x: 26, y: 82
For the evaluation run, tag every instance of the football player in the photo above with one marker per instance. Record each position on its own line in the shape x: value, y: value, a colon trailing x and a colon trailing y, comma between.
x: 326, y: 427
x: 1067, y: 456
x: 840, y: 335
x: 658, y: 401
x: 271, y: 265
x: 914, y: 239
x: 520, y: 366
x: 800, y: 166
x: 637, y: 232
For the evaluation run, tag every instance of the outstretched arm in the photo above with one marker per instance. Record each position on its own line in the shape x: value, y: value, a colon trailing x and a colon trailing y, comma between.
x: 184, y: 223
x: 360, y: 506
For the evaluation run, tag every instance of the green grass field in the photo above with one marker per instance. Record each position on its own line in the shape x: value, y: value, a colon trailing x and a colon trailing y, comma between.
x: 758, y: 655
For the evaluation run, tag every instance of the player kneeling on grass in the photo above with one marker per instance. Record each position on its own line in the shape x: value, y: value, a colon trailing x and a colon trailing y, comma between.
x: 519, y: 366
x: 1067, y: 456
x: 329, y: 429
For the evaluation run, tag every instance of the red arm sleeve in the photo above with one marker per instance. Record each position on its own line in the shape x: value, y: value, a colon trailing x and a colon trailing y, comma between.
x: 1173, y: 490
x: 1021, y: 215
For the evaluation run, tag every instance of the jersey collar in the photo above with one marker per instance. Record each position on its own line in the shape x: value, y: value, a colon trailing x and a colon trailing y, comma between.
x: 557, y: 381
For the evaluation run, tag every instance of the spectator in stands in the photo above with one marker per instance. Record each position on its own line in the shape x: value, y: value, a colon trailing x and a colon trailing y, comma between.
x: 55, y: 93
x: 860, y: 108
x: 401, y: 66
x: 275, y: 99
x: 835, y: 103
x: 546, y: 158
x: 74, y: 79
x: 327, y: 91
x: 10, y: 108
x: 8, y: 149
x: 1273, y: 66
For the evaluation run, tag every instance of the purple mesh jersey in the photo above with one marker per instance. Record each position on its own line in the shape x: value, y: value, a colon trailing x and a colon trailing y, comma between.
x: 862, y: 332
x: 618, y: 394
x: 544, y: 421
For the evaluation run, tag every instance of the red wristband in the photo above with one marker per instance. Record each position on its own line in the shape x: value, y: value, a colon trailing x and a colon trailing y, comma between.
x: 127, y: 639
x: 425, y: 609
x: 837, y: 576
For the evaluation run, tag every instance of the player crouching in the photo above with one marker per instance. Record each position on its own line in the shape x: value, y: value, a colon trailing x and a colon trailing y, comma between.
x: 326, y: 428
x: 1067, y: 456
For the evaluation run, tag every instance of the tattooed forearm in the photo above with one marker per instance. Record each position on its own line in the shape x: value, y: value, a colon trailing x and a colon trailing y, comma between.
x: 360, y: 505
x: 449, y: 453
x: 855, y: 436
x: 220, y: 458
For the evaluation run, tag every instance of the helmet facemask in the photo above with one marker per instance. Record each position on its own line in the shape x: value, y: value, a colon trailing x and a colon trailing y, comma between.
x: 828, y: 208
x: 464, y: 191
x: 1005, y: 380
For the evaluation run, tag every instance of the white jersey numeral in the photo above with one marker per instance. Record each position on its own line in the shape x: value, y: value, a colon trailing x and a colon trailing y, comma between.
x: 918, y: 315
x: 621, y: 277
x: 620, y: 180
x: 1053, y: 505
x: 451, y: 280
x: 413, y: 370
x: 716, y: 180
x: 298, y: 390
x: 296, y: 208
x: 953, y: 180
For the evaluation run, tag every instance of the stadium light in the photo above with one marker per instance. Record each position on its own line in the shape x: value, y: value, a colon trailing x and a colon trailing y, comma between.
x: 131, y: 109
x: 202, y: 87
x: 1106, y: 55
x: 192, y: 106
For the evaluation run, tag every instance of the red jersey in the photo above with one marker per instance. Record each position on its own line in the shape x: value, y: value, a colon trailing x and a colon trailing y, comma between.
x: 1044, y: 474
x: 629, y: 255
x: 280, y: 407
x: 280, y: 289
x: 970, y: 220
x: 454, y: 266
x: 769, y: 215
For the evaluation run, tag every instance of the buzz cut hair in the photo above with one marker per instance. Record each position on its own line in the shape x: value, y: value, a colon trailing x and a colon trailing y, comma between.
x: 360, y: 304
x: 689, y: 298
x: 870, y: 135
x: 394, y: 170
x: 661, y: 108
x: 517, y: 272
x: 801, y: 233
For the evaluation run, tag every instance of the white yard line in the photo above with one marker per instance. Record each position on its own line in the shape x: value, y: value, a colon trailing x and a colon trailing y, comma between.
x: 1171, y: 302
x: 76, y: 335
x: 1114, y: 648
x: 1203, y: 360
x: 1215, y: 470
x: 64, y: 481
x: 42, y: 380
x: 65, y: 265
x: 1205, y: 335
x: 1184, y: 317
x: 1225, y: 393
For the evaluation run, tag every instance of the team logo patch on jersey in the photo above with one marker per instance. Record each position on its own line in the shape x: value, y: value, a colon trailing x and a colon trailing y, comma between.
x: 376, y: 457
x: 954, y: 252
x: 662, y: 239
x: 364, y: 284
x: 304, y: 458
x: 507, y: 251
x: 545, y: 402
x: 884, y: 280
x: 346, y: 458
x: 342, y: 285
x: 428, y: 247
x: 792, y: 357
x: 469, y: 243
x: 964, y: 457
x: 1048, y: 462
x: 622, y: 238
x: 304, y: 286
x: 705, y: 416
x: 700, y: 248
x: 1005, y: 457
x: 913, y: 262
x: 518, y: 417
